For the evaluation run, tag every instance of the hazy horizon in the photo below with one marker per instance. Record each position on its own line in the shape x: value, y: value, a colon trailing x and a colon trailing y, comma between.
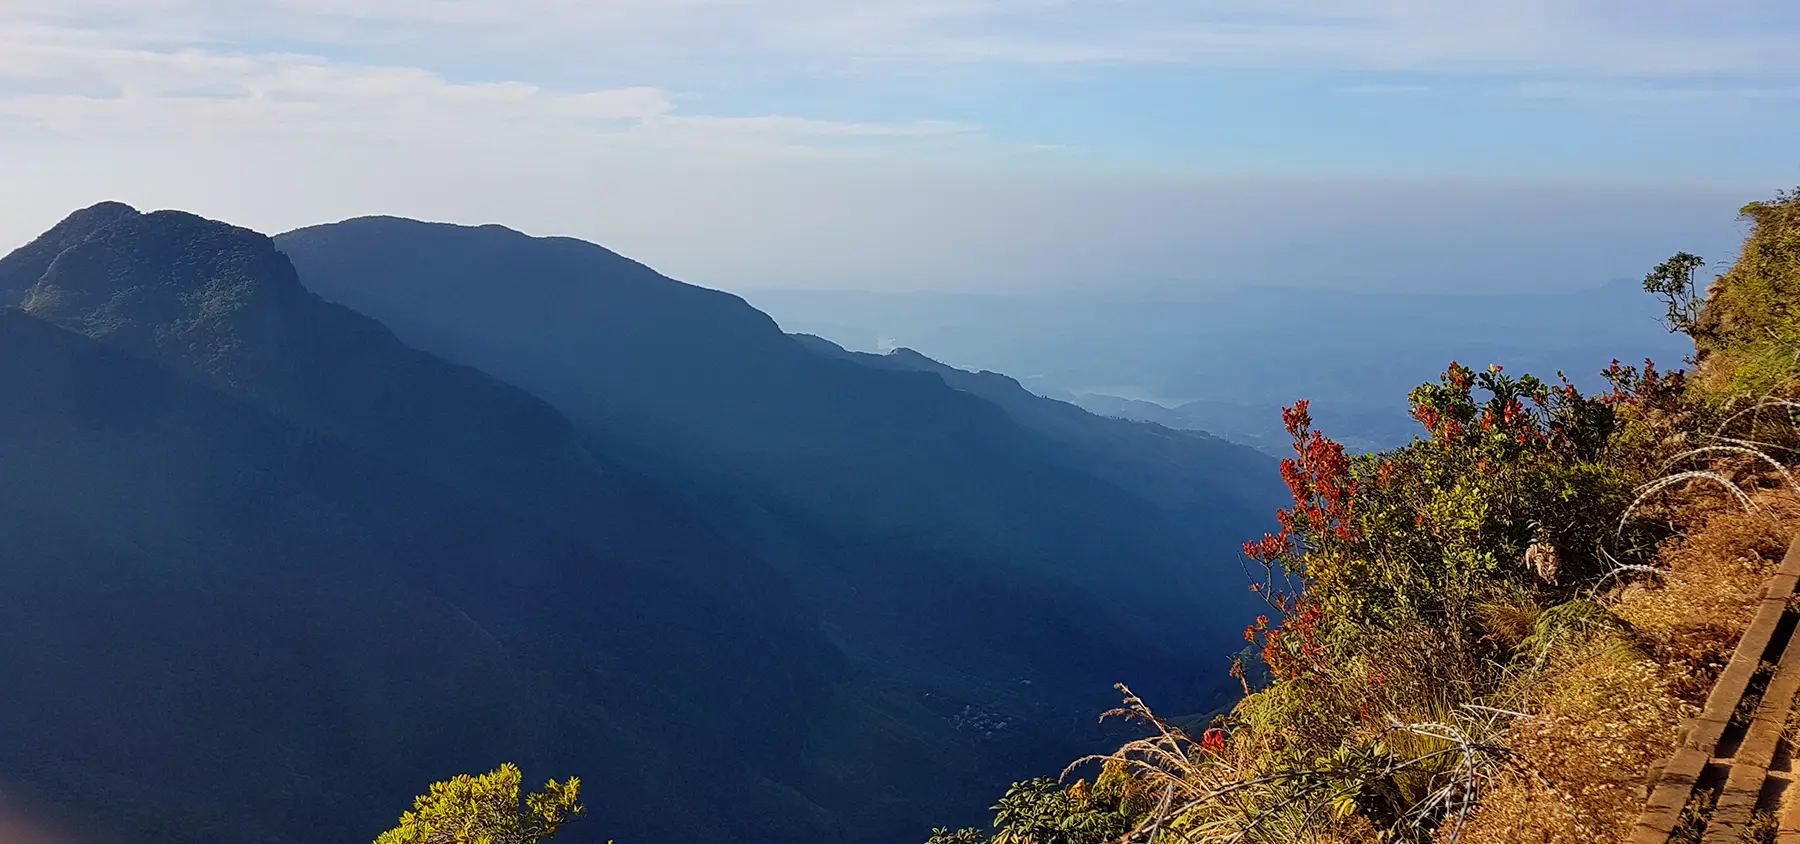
x: 934, y: 144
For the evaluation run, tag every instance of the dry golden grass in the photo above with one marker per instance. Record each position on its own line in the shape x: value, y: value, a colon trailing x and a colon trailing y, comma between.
x: 1608, y: 707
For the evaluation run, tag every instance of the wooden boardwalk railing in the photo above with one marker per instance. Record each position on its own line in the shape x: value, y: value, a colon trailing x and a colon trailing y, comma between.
x: 1734, y: 762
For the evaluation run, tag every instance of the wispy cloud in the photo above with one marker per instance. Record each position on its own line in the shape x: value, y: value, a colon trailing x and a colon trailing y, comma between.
x: 911, y: 139
x: 1643, y: 37
x: 73, y: 84
x: 1615, y: 92
x: 452, y: 70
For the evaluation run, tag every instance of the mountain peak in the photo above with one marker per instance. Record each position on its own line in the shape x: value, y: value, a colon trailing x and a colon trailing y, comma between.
x: 22, y: 269
x: 168, y: 269
x: 100, y: 213
x: 205, y: 297
x: 84, y: 223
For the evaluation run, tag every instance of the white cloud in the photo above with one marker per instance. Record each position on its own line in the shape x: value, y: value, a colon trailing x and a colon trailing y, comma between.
x: 490, y: 71
x: 69, y: 84
x: 1622, y: 37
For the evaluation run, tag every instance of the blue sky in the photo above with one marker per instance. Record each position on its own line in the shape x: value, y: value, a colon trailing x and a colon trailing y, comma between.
x: 949, y: 144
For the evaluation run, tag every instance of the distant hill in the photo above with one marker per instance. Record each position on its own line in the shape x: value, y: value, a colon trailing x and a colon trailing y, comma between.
x: 1187, y: 469
x: 295, y: 565
x: 1230, y: 359
x: 886, y: 494
x: 1258, y: 425
x: 221, y: 305
x: 936, y: 536
x: 411, y: 506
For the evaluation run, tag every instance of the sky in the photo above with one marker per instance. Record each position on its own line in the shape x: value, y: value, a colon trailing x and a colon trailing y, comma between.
x: 993, y: 145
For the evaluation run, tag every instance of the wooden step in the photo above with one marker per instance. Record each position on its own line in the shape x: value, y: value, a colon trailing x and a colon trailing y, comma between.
x: 1747, y: 769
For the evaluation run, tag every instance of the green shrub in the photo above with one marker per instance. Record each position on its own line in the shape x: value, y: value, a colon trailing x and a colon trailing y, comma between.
x: 1042, y: 811
x: 487, y: 809
x: 1748, y: 332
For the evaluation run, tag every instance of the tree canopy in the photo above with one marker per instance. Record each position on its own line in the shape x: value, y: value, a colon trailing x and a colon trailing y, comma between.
x: 487, y: 809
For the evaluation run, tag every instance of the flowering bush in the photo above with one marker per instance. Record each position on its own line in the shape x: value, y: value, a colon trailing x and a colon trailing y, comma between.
x: 1397, y: 581
x: 1508, y: 495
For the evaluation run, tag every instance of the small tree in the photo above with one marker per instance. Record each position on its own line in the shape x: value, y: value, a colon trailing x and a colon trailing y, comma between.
x: 486, y: 809
x: 1673, y: 280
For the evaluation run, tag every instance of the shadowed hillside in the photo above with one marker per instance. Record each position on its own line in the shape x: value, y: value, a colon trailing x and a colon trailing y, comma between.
x: 1182, y: 469
x: 233, y: 628
x: 888, y: 495
x: 306, y: 566
x: 220, y: 304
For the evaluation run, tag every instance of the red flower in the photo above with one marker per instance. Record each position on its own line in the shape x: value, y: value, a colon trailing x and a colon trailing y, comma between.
x: 1213, y: 740
x: 1297, y: 418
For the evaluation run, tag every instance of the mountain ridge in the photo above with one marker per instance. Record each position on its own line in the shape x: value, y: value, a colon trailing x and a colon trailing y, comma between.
x: 861, y: 590
x: 862, y: 446
x: 220, y: 304
x: 1164, y: 460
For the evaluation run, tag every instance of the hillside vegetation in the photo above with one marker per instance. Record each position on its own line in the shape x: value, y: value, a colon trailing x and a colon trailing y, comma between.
x: 1493, y: 632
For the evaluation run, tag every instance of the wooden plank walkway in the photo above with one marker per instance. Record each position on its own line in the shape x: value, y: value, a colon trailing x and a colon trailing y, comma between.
x: 1713, y: 753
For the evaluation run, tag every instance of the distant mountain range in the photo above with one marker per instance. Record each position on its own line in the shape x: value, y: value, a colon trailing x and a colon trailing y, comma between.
x: 1227, y: 360
x: 274, y: 565
x: 1358, y: 428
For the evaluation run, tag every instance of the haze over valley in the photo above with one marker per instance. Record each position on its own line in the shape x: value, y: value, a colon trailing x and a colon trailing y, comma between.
x: 1227, y: 361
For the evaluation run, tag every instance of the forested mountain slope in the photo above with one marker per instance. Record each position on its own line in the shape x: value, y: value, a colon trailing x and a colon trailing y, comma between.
x: 341, y: 565
x: 219, y: 625
x: 888, y: 495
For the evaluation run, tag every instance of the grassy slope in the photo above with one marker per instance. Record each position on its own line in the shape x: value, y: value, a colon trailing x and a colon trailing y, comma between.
x: 1611, y: 713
